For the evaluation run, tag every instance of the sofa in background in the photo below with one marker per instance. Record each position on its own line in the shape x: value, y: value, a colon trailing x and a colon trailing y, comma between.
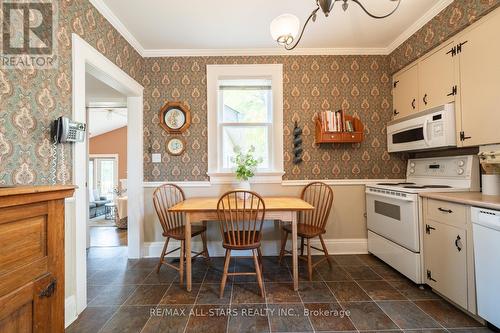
x: 96, y: 203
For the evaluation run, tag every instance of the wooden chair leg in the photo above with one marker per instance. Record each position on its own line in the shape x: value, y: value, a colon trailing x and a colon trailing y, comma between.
x: 162, y: 256
x: 260, y: 259
x: 309, y: 259
x: 224, y: 274
x: 301, y: 246
x: 181, y: 264
x: 259, y: 272
x: 325, y: 251
x: 205, y: 248
x: 283, y: 245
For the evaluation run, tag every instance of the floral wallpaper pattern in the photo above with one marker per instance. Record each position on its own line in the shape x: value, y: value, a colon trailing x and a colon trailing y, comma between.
x: 31, y: 99
x: 453, y: 19
x: 361, y: 85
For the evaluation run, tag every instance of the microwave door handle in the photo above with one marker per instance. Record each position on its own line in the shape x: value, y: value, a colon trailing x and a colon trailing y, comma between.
x: 426, y: 139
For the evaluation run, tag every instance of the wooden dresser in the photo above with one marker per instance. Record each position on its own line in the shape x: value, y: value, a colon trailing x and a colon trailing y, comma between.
x: 32, y: 258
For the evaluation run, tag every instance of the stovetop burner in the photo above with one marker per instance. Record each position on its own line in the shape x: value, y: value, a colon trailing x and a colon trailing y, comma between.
x: 437, y: 186
x: 414, y: 186
x: 395, y: 184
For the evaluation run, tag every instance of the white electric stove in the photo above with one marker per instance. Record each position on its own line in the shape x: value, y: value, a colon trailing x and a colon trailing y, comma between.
x: 394, y: 210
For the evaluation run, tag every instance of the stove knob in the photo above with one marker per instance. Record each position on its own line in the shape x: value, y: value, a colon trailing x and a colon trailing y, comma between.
x: 461, y: 163
x: 460, y: 171
x: 412, y: 170
x: 412, y: 164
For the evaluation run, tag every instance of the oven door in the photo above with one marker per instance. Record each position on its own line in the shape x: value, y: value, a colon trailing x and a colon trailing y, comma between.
x: 394, y: 215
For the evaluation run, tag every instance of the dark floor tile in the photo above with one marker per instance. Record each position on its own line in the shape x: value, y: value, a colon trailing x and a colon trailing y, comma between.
x: 348, y: 260
x: 208, y: 319
x: 328, y: 317
x: 334, y: 273
x: 288, y: 318
x: 177, y: 294
x: 388, y: 273
x: 246, y: 293
x: 128, y: 319
x: 381, y: 291
x: 249, y: 318
x: 446, y: 314
x: 105, y: 277
x: 214, y: 275
x: 407, y: 315
x: 362, y: 273
x: 209, y: 294
x: 113, y: 295
x: 165, y: 276
x: 131, y: 277
x: 143, y: 263
x: 370, y: 260
x: 172, y: 319
x: 93, y: 291
x: 92, y: 319
x: 147, y: 295
x: 368, y: 316
x: 413, y: 291
x: 472, y: 330
x: 107, y: 252
x: 436, y: 330
x: 281, y: 293
x: 304, y: 274
x: 277, y: 274
x: 348, y: 291
x: 315, y: 292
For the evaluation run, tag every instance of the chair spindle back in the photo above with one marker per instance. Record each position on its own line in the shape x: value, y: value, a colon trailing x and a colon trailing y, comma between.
x: 164, y: 197
x: 319, y: 195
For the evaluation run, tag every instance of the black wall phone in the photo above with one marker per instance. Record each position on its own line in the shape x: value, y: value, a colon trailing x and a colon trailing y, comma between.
x: 65, y: 130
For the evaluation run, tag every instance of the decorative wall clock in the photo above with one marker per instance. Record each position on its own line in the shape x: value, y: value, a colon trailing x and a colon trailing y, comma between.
x: 175, y: 117
x: 176, y: 146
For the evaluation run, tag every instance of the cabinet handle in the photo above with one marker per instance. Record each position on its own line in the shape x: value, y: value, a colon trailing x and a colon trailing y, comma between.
x: 449, y: 211
x: 413, y: 104
x: 425, y: 99
x: 428, y: 229
x: 458, y: 243
x: 49, y: 290
x: 396, y: 112
x: 459, y: 46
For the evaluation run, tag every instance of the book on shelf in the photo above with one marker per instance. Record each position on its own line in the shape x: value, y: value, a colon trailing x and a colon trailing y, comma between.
x: 332, y: 121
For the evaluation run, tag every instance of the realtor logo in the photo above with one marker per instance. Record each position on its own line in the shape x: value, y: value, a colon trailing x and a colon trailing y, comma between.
x: 28, y: 34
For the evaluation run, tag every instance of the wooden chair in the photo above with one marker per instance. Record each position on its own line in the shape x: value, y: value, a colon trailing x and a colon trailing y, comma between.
x: 241, y: 215
x: 311, y: 224
x: 164, y: 197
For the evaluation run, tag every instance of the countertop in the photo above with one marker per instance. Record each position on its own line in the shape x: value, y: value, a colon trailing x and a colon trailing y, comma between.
x: 467, y: 198
x: 19, y: 190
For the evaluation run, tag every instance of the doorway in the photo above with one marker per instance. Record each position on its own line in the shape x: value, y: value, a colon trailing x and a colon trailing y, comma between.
x: 88, y: 61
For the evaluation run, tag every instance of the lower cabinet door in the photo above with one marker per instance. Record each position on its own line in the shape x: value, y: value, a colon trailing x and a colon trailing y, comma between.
x: 446, y: 261
x: 29, y: 308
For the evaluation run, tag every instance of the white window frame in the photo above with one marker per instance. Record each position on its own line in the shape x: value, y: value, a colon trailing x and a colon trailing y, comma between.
x: 274, y: 72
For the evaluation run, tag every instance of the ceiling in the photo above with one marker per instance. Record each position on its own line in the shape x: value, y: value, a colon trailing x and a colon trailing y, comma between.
x: 179, y: 27
x: 97, y: 91
x: 103, y: 120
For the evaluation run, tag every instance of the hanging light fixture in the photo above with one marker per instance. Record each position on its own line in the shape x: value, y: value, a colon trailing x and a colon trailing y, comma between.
x: 285, y: 28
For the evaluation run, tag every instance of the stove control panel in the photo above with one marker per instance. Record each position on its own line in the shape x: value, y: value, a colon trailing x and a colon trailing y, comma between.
x: 442, y: 167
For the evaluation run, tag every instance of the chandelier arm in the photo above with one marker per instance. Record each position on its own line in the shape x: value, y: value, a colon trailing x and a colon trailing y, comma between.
x: 376, y: 16
x: 303, y: 29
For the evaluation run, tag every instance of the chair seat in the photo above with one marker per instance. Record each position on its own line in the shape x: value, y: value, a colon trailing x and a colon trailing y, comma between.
x: 178, y: 233
x: 249, y: 243
x: 305, y: 230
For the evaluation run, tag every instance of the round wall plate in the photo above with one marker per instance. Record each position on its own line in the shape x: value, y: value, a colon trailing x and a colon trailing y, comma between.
x: 175, y: 117
x: 176, y: 146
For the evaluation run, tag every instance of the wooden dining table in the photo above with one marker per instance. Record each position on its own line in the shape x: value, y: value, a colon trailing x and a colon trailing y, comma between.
x: 204, y: 210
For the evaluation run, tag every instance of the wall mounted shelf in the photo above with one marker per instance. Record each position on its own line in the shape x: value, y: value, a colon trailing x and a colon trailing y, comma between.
x: 323, y: 136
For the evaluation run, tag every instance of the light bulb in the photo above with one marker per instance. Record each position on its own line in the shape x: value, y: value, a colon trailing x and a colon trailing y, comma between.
x: 285, y: 28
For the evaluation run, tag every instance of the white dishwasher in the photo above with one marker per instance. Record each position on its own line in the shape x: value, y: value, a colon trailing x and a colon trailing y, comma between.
x: 486, y: 233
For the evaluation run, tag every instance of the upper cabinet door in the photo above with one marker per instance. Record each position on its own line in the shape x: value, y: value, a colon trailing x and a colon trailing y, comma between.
x: 479, y: 57
x: 405, y: 92
x: 436, y: 79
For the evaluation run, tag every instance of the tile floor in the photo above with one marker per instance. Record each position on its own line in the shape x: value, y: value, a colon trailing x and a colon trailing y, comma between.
x: 128, y: 296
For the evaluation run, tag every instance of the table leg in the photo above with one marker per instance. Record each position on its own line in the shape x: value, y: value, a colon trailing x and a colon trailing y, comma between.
x: 187, y: 243
x: 295, y: 258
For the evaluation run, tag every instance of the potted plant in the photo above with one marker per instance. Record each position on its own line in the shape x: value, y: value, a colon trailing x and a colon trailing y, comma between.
x: 246, y: 164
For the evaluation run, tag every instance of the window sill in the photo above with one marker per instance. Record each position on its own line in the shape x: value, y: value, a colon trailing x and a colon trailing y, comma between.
x: 272, y: 177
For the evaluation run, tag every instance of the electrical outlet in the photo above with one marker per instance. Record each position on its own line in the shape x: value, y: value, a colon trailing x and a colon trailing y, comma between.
x: 156, y: 158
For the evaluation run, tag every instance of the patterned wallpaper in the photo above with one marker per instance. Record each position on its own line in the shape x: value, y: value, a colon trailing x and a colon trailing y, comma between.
x: 454, y: 18
x: 31, y: 99
x: 361, y: 85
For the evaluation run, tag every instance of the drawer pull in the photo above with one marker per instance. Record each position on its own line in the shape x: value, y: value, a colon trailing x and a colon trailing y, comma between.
x: 445, y: 210
x: 49, y: 290
x: 458, y: 243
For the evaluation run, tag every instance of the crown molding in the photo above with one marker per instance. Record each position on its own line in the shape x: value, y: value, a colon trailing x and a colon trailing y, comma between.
x: 417, y: 25
x: 118, y: 25
x: 278, y: 51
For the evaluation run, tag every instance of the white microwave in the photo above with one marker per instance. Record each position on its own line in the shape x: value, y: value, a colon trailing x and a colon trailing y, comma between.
x: 431, y: 129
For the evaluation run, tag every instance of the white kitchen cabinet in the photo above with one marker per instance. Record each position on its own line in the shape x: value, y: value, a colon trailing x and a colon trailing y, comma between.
x: 405, y: 92
x: 436, y: 78
x: 478, y: 52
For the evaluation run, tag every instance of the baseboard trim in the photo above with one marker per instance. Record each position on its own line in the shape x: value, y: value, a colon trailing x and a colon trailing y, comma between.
x: 69, y: 310
x: 269, y: 247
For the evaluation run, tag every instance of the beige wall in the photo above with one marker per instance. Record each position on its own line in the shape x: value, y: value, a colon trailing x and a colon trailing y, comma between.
x: 114, y: 142
x: 347, y: 219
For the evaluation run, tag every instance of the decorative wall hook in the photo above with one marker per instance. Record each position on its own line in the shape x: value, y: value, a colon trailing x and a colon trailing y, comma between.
x: 297, y: 144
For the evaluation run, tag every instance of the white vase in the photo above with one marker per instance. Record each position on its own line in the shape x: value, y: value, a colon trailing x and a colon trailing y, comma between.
x: 242, y: 185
